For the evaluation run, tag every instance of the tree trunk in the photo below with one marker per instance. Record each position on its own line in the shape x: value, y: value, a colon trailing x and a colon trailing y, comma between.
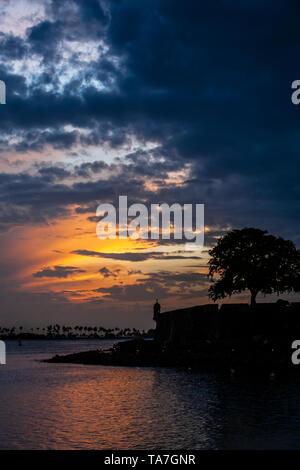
x: 253, y: 297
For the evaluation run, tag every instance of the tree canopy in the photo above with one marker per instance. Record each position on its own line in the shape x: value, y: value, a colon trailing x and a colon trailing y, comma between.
x: 255, y: 260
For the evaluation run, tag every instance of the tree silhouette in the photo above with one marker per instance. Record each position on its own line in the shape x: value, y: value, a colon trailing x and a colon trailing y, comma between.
x: 255, y: 260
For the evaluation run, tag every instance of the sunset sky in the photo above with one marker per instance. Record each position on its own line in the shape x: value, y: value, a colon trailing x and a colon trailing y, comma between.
x: 158, y: 100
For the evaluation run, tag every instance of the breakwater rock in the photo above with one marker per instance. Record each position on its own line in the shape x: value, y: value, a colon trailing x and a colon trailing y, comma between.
x: 236, y: 339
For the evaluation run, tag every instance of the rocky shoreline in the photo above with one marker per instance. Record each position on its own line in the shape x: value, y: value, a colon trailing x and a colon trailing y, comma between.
x: 235, y: 338
x: 259, y: 357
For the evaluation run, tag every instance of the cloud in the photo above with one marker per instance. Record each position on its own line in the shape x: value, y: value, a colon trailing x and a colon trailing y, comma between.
x: 60, y: 272
x: 156, y: 100
x: 205, y: 101
x: 132, y: 256
x: 162, y: 284
x: 12, y: 47
x: 107, y: 273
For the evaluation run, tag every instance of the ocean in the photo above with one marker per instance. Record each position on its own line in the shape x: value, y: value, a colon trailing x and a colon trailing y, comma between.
x: 69, y: 406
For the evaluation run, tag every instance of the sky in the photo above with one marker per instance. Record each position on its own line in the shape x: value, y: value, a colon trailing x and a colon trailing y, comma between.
x: 159, y: 100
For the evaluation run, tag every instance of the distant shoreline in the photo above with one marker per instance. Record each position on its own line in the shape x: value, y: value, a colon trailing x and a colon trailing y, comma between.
x: 47, y: 338
x: 255, y: 359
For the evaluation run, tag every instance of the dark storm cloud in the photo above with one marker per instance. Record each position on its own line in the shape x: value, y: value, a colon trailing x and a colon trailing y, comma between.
x: 74, y: 20
x: 132, y: 256
x: 12, y: 47
x: 133, y: 293
x: 46, y: 192
x: 161, y: 284
x: 87, y: 170
x: 84, y: 19
x: 36, y: 140
x: 53, y: 173
x: 44, y: 38
x: 177, y: 277
x: 60, y: 272
x: 38, y: 190
x: 208, y: 82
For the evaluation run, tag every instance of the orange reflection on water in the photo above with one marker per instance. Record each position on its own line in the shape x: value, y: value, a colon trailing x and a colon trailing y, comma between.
x: 120, y: 408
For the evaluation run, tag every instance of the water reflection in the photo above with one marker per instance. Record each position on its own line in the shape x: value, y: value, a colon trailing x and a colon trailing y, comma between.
x: 136, y: 408
x: 51, y: 406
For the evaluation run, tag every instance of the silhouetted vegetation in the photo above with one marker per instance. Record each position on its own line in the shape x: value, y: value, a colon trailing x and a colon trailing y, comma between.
x: 255, y: 260
x: 236, y: 339
x: 72, y: 332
